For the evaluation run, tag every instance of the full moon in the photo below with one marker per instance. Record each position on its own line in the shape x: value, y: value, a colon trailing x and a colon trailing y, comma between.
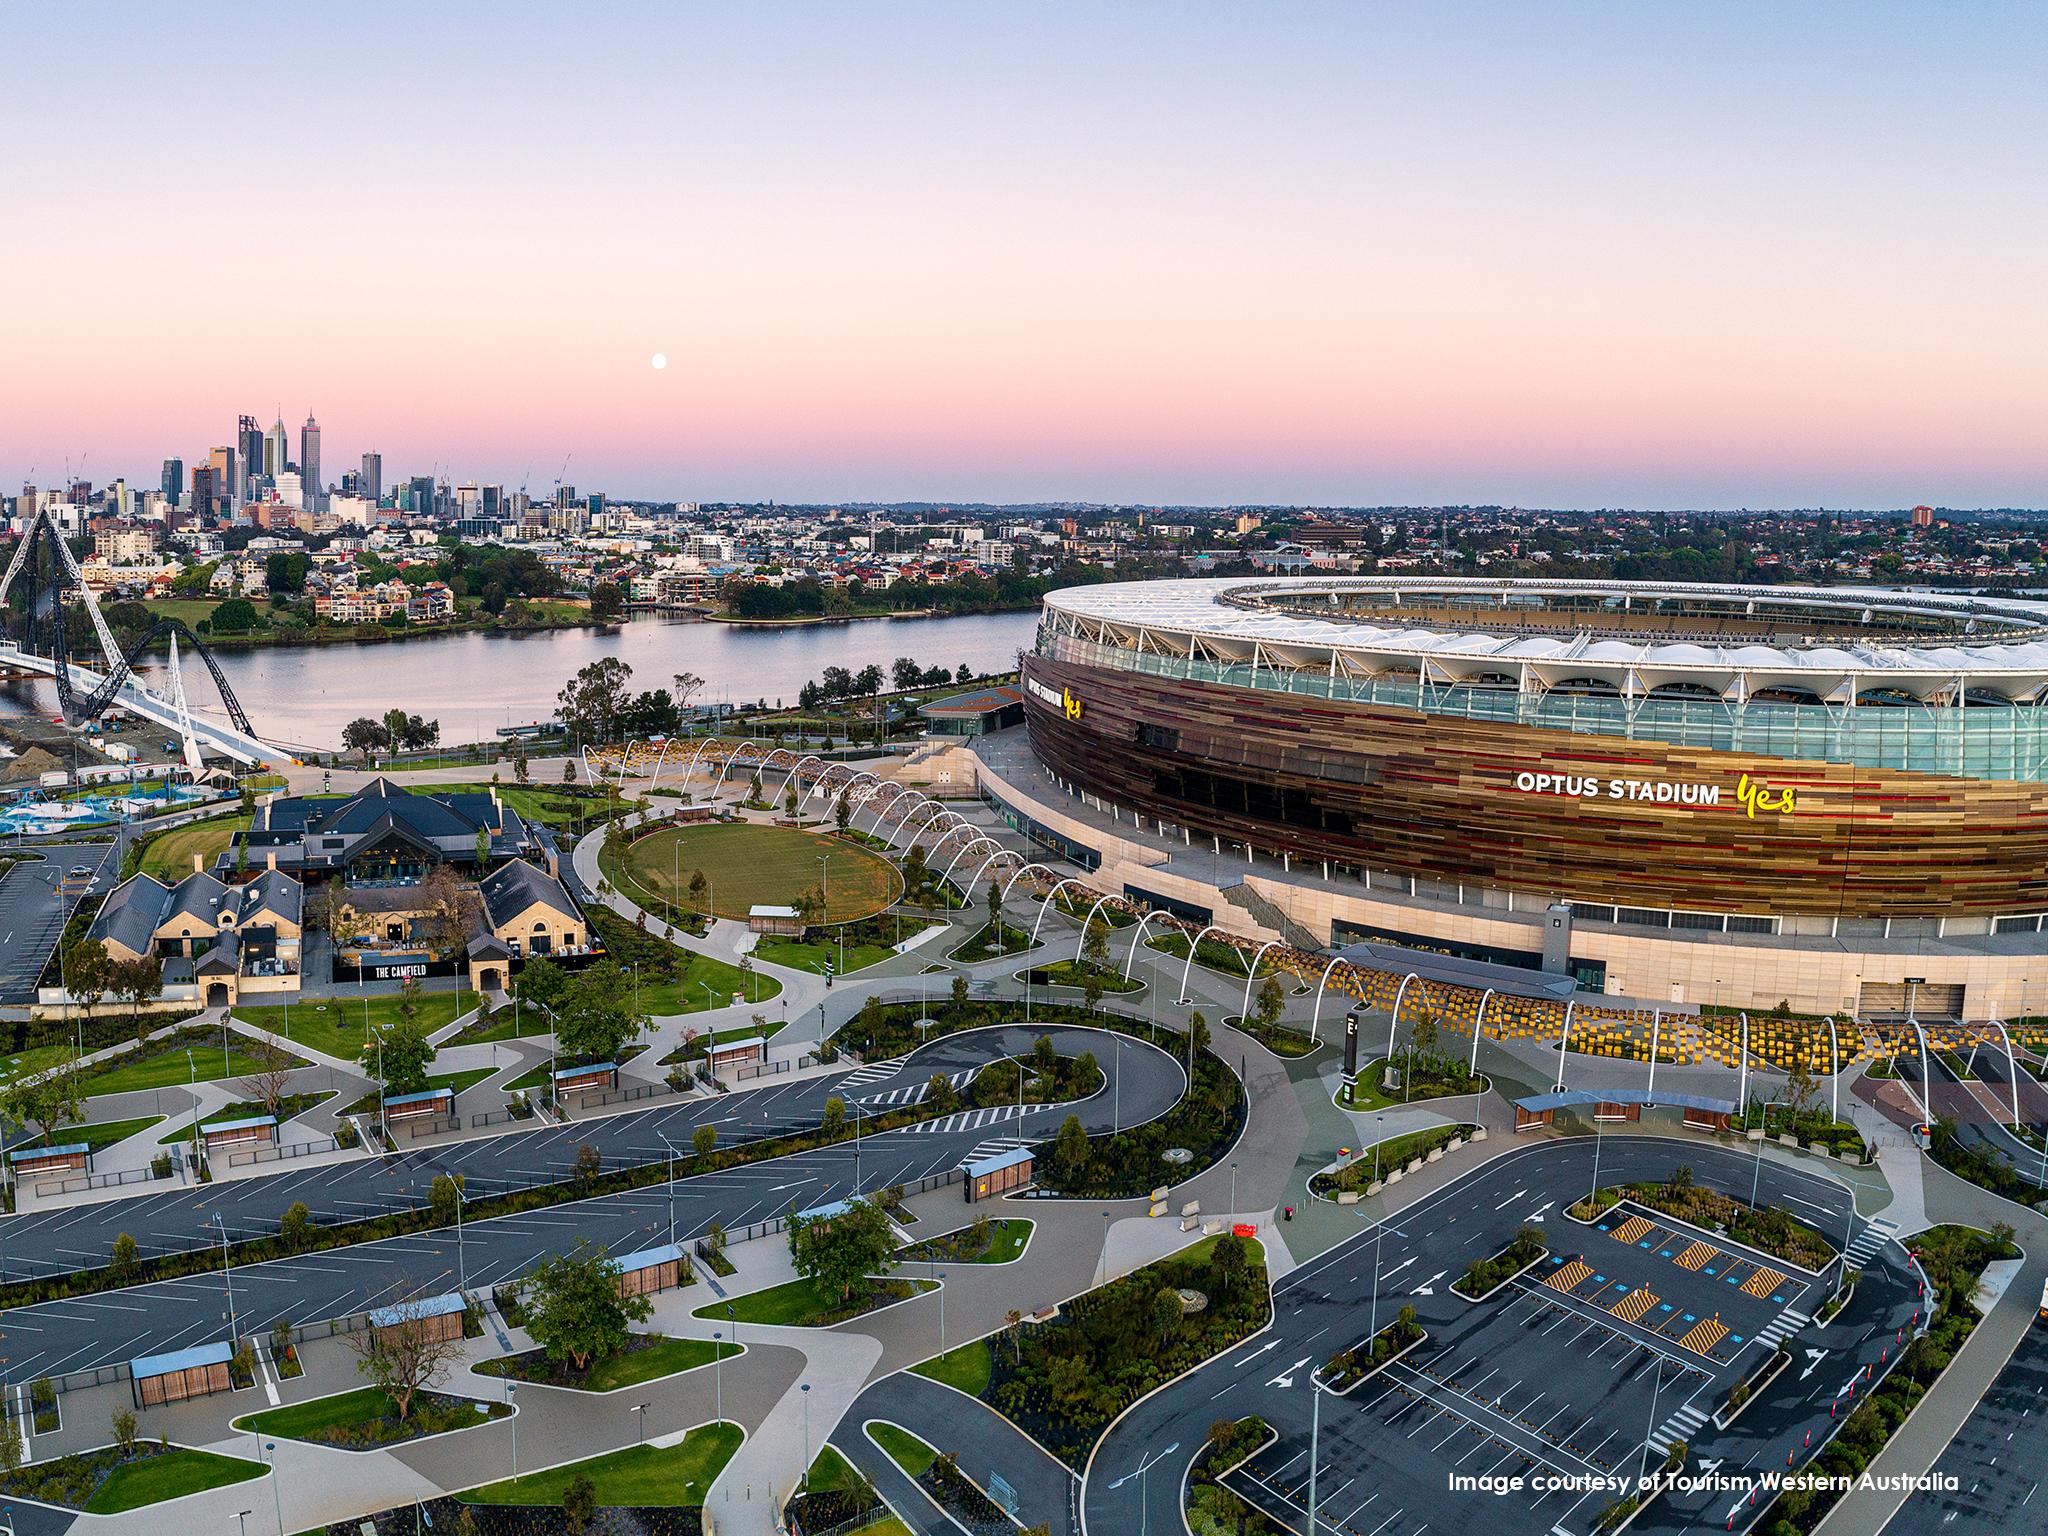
x: 660, y: 360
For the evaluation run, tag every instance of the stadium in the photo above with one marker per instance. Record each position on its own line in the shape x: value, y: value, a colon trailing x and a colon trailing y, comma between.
x: 1833, y: 798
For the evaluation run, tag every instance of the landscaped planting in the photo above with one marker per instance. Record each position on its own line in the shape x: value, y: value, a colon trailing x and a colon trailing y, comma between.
x: 987, y: 943
x: 1482, y: 1275
x: 1376, y: 1162
x: 646, y: 1357
x: 1081, y: 976
x: 639, y: 1477
x: 1063, y: 1381
x: 161, y: 1062
x: 367, y: 1418
x: 804, y: 1304
x: 1427, y: 1077
x: 1348, y: 1367
x: 109, y: 1480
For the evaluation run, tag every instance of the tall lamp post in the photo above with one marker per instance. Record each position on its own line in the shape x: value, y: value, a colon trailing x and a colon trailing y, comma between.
x: 227, y: 1269
x: 1143, y: 1475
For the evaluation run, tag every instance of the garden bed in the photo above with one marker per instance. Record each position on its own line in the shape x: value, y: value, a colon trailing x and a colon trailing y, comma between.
x: 367, y: 1419
x: 1374, y: 1162
x: 1425, y: 1082
x: 646, y: 1357
x: 800, y: 1304
x: 1079, y: 977
x: 983, y: 945
x: 1769, y: 1230
x: 1001, y: 1241
x: 1345, y: 1370
x: 1485, y: 1276
x: 108, y: 1480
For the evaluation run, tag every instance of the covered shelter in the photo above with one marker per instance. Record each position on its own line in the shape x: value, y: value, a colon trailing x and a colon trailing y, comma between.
x: 195, y: 1371
x: 989, y: 1178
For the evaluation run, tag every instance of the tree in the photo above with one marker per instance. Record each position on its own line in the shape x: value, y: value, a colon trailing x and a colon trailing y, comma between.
x: 789, y: 801
x: 138, y: 981
x: 46, y: 1100
x: 699, y: 887
x: 704, y: 1140
x: 1198, y: 1032
x: 596, y: 1019
x: 407, y: 1355
x: 363, y: 735
x: 1424, y: 1033
x: 1070, y: 1147
x: 835, y: 1114
x: 267, y: 1084
x: 842, y: 812
x: 11, y: 1450
x: 940, y: 1097
x: 1043, y: 1057
x: 905, y: 673
x: 444, y: 1197
x: 1013, y: 1328
x: 235, y: 616
x: 399, y: 1053
x: 296, y: 1225
x: 522, y: 767
x: 1228, y: 1262
x: 684, y: 687
x: 840, y: 1252
x: 569, y: 770
x: 121, y: 1261
x: 1266, y: 1009
x: 123, y: 1425
x: 607, y: 602
x: 574, y: 1310
x: 453, y: 908
x: 88, y: 972
x: 579, y: 1501
x: 1166, y: 1313
x: 542, y: 984
x: 590, y: 702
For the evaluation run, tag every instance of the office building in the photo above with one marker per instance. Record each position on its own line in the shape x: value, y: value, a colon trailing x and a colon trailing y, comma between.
x: 277, y: 450
x: 370, y: 483
x: 205, y: 491
x: 309, y: 463
x: 249, y: 448
x: 225, y: 480
x: 172, y: 480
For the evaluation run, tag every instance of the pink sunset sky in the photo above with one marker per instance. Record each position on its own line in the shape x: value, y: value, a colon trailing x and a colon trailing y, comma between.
x: 1652, y: 255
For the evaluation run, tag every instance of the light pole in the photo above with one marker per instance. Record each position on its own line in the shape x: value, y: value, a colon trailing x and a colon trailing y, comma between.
x: 511, y: 1391
x: 192, y: 1085
x: 806, y: 1479
x: 671, y: 1186
x: 461, y: 1256
x: 1315, y: 1417
x: 718, y: 1374
x: 1656, y: 1382
x: 227, y: 1269
x: 1143, y: 1475
x: 1233, y: 1188
x: 639, y: 1423
x: 277, y: 1496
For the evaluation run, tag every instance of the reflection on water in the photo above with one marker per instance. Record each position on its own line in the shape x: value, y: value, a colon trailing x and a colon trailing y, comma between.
x: 474, y: 683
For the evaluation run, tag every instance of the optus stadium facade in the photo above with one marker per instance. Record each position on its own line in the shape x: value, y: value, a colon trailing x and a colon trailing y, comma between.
x: 1836, y: 798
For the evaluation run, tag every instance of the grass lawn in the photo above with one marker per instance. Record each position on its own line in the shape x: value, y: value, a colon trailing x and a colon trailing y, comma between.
x: 801, y: 956
x: 358, y: 1419
x: 168, y: 1475
x: 965, y: 1368
x: 534, y: 802
x: 37, y: 1058
x: 469, y: 1077
x: 1072, y: 973
x: 748, y: 865
x: 107, y: 1133
x: 882, y: 1525
x: 168, y: 855
x: 661, y: 1357
x: 292, y: 1106
x: 335, y: 1027
x: 704, y: 1041
x: 1366, y: 1093
x: 831, y: 1473
x: 1007, y: 1238
x: 905, y: 1449
x: 126, y: 1074
x: 661, y: 996
x: 800, y: 1304
x: 645, y: 1476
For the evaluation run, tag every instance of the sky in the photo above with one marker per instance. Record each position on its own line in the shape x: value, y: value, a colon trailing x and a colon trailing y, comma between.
x: 1644, y: 254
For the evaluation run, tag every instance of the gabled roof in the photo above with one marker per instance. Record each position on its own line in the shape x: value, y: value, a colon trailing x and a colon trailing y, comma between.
x: 197, y: 895
x: 129, y: 915
x: 274, y: 892
x: 516, y: 885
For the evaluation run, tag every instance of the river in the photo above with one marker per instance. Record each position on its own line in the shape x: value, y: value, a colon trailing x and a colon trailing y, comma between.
x: 475, y: 683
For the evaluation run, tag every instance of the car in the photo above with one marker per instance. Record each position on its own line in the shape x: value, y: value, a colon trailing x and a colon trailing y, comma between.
x: 81, y: 872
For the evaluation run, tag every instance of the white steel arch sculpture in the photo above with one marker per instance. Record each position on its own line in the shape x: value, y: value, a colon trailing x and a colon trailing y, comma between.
x: 1018, y: 874
x: 1564, y: 1041
x: 903, y: 827
x: 962, y: 851
x: 1144, y: 919
x: 1053, y: 897
x: 1315, y: 1018
x: 2012, y: 1071
x: 968, y: 889
x: 1394, y: 1018
x: 1194, y: 945
x: 1478, y: 1029
x: 1087, y: 923
x: 1742, y: 1077
x: 879, y: 806
x: 1252, y: 974
x: 731, y: 758
x: 1656, y: 1029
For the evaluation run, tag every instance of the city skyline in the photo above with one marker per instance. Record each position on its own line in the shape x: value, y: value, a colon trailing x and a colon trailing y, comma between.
x: 1598, y: 256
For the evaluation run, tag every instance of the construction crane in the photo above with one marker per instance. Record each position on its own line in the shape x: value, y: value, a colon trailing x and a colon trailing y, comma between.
x: 559, y: 474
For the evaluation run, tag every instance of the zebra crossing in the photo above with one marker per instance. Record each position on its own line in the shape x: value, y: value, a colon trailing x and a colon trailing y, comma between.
x: 1786, y: 1323
x: 967, y: 1120
x: 914, y: 1094
x: 1875, y: 1234
x: 873, y: 1072
x: 995, y: 1145
x: 1682, y: 1425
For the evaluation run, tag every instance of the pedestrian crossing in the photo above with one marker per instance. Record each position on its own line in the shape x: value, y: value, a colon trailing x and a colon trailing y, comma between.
x: 915, y: 1092
x: 873, y: 1072
x: 1682, y: 1425
x: 1781, y: 1327
x: 1875, y: 1235
x: 966, y: 1120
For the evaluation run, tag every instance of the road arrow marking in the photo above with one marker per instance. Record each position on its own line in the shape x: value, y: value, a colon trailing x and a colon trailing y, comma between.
x: 1813, y: 1360
x: 1248, y: 1359
x: 1286, y: 1378
x: 1428, y: 1287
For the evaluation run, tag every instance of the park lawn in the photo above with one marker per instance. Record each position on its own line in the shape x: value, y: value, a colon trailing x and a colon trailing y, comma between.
x: 168, y: 855
x: 122, y: 1075
x: 106, y: 1133
x: 640, y: 1476
x: 468, y: 1077
x: 882, y: 1525
x: 534, y: 802
x: 966, y: 1368
x: 800, y: 1304
x: 37, y: 1058
x: 364, y: 1408
x: 831, y: 1473
x: 909, y: 1452
x: 685, y: 992
x: 748, y: 865
x: 1073, y: 973
x: 335, y: 1028
x: 663, y: 1357
x: 812, y: 955
x: 1007, y: 1238
x: 168, y: 1475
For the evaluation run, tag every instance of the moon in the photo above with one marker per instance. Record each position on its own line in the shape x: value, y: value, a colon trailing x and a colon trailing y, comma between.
x: 660, y: 361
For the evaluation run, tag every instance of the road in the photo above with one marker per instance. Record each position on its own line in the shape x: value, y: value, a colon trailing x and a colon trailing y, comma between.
x: 83, y: 1332
x: 1538, y: 1379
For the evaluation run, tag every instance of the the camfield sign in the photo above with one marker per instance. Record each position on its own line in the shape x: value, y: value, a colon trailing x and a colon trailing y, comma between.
x: 1749, y: 794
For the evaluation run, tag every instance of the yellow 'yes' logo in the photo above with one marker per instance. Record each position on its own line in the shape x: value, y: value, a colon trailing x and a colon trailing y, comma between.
x: 1755, y: 797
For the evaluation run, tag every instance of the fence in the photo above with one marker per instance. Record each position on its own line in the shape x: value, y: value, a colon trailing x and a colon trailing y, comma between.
x: 774, y: 1224
x: 622, y: 1095
x: 283, y: 1153
x: 496, y: 1117
x: 72, y: 1186
x: 416, y: 1126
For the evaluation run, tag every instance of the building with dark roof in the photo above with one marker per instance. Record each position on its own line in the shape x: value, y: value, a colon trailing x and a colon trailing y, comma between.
x: 526, y: 912
x: 211, y: 935
x: 386, y: 834
x: 975, y: 713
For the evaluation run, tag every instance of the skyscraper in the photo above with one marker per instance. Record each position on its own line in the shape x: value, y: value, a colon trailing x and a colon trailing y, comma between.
x: 249, y: 444
x: 172, y: 480
x: 222, y: 462
x: 277, y: 450
x: 309, y: 465
x: 370, y: 483
x: 204, y: 491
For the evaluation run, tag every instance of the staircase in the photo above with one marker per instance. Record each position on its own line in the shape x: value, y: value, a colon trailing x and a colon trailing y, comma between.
x: 1240, y: 895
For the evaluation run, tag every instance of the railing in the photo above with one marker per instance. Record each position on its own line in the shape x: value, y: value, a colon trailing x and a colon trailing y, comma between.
x: 773, y: 1224
x: 622, y: 1095
x: 77, y: 1182
x: 283, y: 1152
x: 417, y: 1126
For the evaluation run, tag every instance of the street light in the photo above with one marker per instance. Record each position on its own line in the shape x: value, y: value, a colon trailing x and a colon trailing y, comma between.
x: 640, y: 1423
x: 227, y: 1269
x: 671, y: 1186
x: 807, y: 1437
x: 270, y: 1446
x: 718, y: 1373
x: 511, y: 1391
x: 1143, y: 1475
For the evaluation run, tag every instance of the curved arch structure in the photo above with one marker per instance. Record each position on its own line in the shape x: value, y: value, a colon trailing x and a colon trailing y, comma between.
x: 1394, y: 1018
x: 1564, y: 1041
x: 1194, y: 948
x: 1479, y: 1028
x: 1051, y: 898
x: 1018, y: 874
x: 1251, y: 974
x: 968, y: 889
x: 1086, y: 923
x: 1316, y: 1017
x: 962, y: 851
x: 1144, y: 921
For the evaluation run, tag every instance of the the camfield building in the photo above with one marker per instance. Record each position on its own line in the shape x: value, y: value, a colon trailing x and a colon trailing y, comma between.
x: 1835, y: 798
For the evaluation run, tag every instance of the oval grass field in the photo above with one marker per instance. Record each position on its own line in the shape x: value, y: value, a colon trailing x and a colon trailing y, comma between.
x: 749, y: 865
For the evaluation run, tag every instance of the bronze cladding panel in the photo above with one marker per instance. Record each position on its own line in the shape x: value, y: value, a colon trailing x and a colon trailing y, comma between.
x: 1436, y: 797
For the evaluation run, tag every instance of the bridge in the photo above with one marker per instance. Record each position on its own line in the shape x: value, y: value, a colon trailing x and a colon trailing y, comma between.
x: 41, y: 575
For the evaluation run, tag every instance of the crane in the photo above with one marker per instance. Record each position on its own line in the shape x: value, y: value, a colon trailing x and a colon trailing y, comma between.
x: 559, y: 474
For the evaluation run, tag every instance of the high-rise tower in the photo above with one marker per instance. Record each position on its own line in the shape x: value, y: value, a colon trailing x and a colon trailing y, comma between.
x: 277, y: 450
x: 249, y: 449
x: 309, y: 465
x: 370, y: 484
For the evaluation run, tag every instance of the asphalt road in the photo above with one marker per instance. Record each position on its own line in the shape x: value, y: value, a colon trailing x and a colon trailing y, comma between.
x: 1537, y: 1380
x: 32, y: 913
x: 79, y: 1333
x: 1999, y: 1457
